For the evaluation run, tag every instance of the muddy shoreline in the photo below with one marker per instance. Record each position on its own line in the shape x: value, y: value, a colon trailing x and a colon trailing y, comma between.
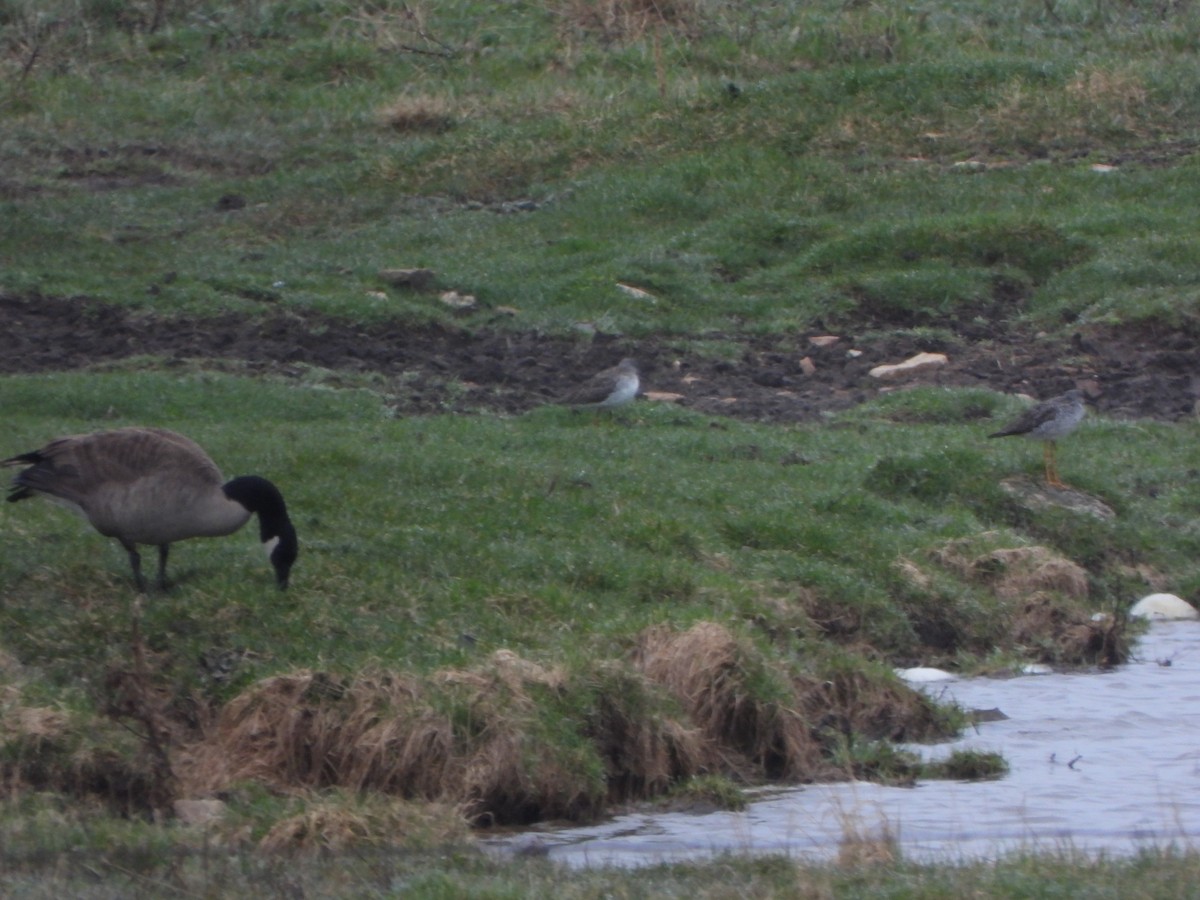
x: 1127, y: 373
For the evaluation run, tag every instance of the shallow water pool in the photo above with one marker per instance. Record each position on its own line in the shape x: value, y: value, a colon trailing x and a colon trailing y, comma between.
x: 1099, y: 762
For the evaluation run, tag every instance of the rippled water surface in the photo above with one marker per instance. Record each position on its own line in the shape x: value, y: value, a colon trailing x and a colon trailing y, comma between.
x: 1098, y: 762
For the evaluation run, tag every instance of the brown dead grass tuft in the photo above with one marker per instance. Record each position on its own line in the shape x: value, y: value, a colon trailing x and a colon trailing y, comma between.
x: 1020, y: 571
x: 1058, y: 632
x: 47, y: 749
x: 1044, y: 593
x: 1015, y: 572
x: 628, y: 20
x: 851, y: 702
x: 860, y: 848
x: 418, y: 113
x: 834, y: 619
x: 33, y: 725
x: 1114, y: 93
x: 464, y: 739
x: 340, y: 822
x: 644, y: 750
x: 310, y: 729
x: 720, y: 681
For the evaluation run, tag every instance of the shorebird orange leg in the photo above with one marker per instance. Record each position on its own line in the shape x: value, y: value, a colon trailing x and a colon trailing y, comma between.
x: 1051, y: 461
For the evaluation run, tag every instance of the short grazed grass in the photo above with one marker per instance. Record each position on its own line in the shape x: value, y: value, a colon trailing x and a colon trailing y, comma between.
x: 520, y: 584
x: 757, y: 168
x: 624, y: 594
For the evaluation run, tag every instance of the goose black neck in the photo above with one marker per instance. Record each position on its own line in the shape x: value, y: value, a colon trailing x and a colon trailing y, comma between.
x: 262, y: 498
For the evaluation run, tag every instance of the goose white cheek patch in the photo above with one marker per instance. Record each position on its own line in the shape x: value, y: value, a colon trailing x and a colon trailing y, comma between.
x: 270, y: 545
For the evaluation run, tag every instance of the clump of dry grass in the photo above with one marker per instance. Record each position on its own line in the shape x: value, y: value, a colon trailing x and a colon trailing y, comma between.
x: 1015, y: 572
x: 1043, y: 594
x: 626, y: 20
x: 339, y: 821
x: 645, y: 749
x: 850, y: 701
x: 464, y: 738
x: 506, y: 741
x: 47, y: 749
x: 861, y: 847
x: 418, y: 113
x: 1118, y: 94
x: 1053, y: 631
x: 720, y: 682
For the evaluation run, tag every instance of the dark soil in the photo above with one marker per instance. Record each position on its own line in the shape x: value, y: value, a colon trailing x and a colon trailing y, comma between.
x: 436, y: 368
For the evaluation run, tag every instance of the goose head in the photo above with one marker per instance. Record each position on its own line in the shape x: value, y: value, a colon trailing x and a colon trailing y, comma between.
x: 263, y: 499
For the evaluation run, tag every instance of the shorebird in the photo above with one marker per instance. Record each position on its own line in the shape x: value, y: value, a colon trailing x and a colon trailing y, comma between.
x: 608, y: 389
x: 153, y: 486
x: 1047, y: 422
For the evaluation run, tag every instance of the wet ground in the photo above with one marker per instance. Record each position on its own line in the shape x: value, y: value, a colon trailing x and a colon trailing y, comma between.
x: 432, y: 368
x: 1098, y: 763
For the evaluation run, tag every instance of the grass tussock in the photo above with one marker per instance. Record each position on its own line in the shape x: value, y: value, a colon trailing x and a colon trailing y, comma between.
x: 1042, y: 595
x: 344, y: 821
x: 418, y: 113
x: 513, y: 741
x: 720, y: 681
x: 628, y: 20
x: 647, y: 745
x: 49, y: 749
x: 392, y: 734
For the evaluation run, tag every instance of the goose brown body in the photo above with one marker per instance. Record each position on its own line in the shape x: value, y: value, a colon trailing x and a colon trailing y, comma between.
x: 153, y: 486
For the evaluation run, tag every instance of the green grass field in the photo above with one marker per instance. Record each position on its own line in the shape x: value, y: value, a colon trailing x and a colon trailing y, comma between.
x: 534, y: 595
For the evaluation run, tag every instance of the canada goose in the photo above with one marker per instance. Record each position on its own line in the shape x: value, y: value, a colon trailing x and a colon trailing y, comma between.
x: 153, y: 486
x: 1047, y: 422
x: 611, y: 388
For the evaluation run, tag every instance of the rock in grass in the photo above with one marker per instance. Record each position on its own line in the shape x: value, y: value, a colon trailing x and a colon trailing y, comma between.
x: 920, y: 363
x: 1162, y: 607
x: 925, y: 675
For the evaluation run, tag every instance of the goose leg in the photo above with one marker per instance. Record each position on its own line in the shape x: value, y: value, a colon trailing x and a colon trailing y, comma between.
x: 135, y: 561
x: 163, y: 549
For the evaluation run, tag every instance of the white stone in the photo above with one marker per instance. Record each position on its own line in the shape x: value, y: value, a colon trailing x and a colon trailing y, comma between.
x: 1036, y: 669
x: 925, y: 675
x: 636, y: 293
x: 911, y: 366
x: 1163, y: 606
x: 455, y: 300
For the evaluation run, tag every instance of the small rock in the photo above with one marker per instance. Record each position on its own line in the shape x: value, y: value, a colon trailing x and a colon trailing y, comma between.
x: 807, y: 366
x: 1036, y: 495
x: 824, y: 340
x: 1163, y: 607
x: 925, y: 675
x: 416, y: 279
x: 636, y: 293
x: 455, y: 300
x: 919, y: 363
x: 662, y: 396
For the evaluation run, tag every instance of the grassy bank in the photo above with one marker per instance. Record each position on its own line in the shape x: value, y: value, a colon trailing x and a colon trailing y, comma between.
x: 764, y: 167
x: 503, y: 619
